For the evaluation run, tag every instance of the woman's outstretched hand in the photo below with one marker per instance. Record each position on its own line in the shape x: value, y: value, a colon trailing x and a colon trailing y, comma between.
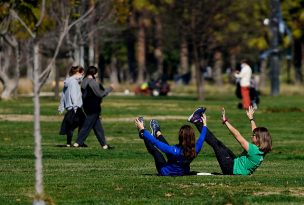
x: 250, y: 112
x: 139, y: 124
x: 204, y: 118
x: 223, y: 115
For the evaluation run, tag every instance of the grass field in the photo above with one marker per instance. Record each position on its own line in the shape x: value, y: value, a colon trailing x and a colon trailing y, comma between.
x: 126, y: 175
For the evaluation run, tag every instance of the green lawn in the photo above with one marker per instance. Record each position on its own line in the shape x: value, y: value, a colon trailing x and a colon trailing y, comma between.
x: 126, y: 175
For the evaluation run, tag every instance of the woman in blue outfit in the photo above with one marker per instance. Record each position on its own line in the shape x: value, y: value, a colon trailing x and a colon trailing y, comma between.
x: 179, y: 156
x: 92, y: 95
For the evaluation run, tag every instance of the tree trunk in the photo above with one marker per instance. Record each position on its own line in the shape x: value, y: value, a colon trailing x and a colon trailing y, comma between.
x: 274, y: 58
x: 9, y: 79
x: 184, y: 56
x: 141, y: 51
x: 159, y: 46
x: 232, y: 65
x: 9, y: 86
x: 91, y: 50
x: 29, y: 64
x: 217, y: 72
x: 37, y: 133
x: 114, y: 72
x: 56, y: 83
x: 263, y: 74
x: 199, y: 80
x: 297, y: 61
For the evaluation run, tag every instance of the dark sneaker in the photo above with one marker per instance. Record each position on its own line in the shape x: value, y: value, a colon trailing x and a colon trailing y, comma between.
x: 154, y: 127
x: 141, y: 119
x: 196, y: 115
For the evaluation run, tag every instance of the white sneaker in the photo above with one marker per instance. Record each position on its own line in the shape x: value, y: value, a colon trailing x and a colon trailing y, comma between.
x: 75, y: 145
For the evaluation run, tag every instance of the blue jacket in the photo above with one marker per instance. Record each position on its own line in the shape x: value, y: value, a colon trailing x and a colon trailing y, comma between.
x: 176, y: 165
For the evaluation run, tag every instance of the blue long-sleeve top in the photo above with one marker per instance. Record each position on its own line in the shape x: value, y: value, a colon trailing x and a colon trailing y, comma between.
x: 176, y: 165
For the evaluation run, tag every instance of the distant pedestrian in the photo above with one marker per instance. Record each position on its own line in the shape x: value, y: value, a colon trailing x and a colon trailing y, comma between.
x: 92, y: 94
x: 244, y: 77
x: 71, y: 101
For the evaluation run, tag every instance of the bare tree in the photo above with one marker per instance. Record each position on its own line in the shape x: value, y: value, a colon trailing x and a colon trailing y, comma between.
x: 9, y: 72
x: 39, y: 78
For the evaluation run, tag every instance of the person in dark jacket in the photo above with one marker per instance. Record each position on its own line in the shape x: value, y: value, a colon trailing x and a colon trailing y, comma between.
x: 92, y: 95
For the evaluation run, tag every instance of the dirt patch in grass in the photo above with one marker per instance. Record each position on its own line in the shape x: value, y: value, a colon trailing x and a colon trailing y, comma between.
x: 298, y: 192
x: 55, y: 118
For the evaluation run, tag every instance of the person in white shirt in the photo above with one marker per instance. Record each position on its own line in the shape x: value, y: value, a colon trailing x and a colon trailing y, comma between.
x: 245, y: 76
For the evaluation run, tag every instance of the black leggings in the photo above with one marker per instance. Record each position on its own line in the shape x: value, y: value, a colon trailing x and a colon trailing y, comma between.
x: 159, y: 159
x: 224, y: 155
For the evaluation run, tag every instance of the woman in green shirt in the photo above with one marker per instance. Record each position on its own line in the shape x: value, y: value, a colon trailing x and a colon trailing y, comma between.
x: 254, y: 152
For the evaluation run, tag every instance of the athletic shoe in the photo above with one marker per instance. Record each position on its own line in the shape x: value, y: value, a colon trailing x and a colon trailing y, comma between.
x: 78, y: 145
x: 107, y: 147
x: 154, y: 127
x: 141, y: 119
x: 68, y: 145
x: 196, y: 115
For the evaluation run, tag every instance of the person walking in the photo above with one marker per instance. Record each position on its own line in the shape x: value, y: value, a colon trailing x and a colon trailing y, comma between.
x: 71, y: 101
x: 92, y: 94
x: 244, y: 76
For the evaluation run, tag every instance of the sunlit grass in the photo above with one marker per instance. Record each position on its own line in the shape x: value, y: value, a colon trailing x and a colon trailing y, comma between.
x: 127, y: 175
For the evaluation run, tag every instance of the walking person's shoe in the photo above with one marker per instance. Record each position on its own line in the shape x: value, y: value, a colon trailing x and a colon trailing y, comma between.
x: 107, y: 147
x: 79, y: 145
x: 195, y: 117
x: 154, y: 127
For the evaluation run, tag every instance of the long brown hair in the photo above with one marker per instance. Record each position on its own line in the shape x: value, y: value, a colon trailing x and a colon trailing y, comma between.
x: 263, y: 137
x: 187, y: 141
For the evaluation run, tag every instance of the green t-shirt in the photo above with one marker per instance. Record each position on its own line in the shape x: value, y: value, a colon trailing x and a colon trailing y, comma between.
x: 247, y: 162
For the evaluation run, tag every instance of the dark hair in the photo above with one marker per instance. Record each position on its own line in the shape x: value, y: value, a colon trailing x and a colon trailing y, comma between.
x: 92, y: 70
x: 76, y: 69
x: 187, y: 141
x: 263, y: 137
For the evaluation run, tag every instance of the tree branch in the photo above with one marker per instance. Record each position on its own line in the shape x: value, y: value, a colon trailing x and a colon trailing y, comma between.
x: 33, y: 35
x: 42, y: 13
x: 44, y: 75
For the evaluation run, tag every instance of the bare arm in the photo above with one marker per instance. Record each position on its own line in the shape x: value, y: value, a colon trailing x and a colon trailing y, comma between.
x: 237, y: 135
x: 250, y: 116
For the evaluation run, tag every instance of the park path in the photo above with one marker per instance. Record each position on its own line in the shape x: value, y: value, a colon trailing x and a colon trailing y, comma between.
x: 55, y: 118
